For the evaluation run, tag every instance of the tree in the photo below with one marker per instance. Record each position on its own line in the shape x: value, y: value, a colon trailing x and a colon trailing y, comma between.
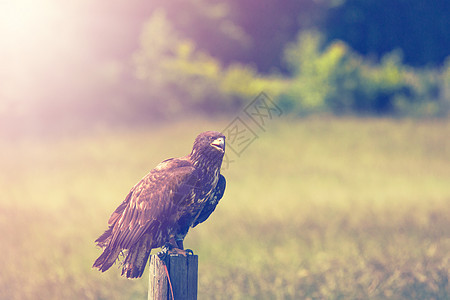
x: 421, y: 29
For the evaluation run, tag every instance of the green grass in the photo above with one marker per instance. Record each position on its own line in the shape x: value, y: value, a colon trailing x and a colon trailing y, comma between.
x: 316, y: 208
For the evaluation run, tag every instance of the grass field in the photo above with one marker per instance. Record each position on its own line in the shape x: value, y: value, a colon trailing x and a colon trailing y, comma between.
x: 314, y: 209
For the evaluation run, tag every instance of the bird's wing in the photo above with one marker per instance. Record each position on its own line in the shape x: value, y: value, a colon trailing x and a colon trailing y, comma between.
x: 212, y: 202
x: 151, y: 201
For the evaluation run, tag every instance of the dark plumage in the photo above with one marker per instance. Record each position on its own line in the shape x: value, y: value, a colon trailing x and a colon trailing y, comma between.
x: 177, y: 194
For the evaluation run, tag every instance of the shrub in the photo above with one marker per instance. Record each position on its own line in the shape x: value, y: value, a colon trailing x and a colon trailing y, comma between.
x: 336, y: 79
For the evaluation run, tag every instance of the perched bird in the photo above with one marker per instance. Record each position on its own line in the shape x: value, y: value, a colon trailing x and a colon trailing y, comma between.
x: 176, y: 195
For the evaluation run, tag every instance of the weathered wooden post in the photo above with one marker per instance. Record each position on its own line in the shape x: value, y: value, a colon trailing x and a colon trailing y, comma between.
x: 183, y: 272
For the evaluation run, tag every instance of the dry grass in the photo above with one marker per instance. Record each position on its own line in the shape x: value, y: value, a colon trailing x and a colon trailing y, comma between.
x: 317, y: 208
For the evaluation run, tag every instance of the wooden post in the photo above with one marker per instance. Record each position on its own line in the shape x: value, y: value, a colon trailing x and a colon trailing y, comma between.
x: 183, y: 272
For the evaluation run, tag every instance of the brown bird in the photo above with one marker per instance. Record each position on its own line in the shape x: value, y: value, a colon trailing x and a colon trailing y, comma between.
x: 176, y: 195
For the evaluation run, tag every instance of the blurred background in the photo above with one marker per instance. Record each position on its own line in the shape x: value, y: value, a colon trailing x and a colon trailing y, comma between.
x: 346, y: 195
x: 139, y: 61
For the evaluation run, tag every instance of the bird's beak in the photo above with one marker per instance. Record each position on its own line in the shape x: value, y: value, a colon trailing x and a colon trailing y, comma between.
x: 219, y: 144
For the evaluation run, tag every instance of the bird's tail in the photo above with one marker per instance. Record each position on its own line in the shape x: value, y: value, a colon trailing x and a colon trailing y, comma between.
x: 105, y: 238
x: 107, y: 258
x: 136, y: 258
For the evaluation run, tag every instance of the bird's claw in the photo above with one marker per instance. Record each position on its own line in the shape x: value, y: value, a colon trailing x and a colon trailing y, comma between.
x: 177, y: 251
x: 165, y: 251
x: 163, y: 254
x: 169, y: 249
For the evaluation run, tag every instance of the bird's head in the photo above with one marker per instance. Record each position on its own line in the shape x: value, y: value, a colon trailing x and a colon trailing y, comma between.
x: 209, y: 145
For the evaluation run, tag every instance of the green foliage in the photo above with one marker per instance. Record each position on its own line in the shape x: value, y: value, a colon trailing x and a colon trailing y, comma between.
x: 312, y: 85
x: 174, y: 72
x: 180, y: 78
x: 319, y: 209
x: 241, y: 83
x: 177, y: 76
x: 335, y: 79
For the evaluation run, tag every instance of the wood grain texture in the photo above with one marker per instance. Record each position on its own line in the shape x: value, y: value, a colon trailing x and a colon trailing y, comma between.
x: 183, y: 272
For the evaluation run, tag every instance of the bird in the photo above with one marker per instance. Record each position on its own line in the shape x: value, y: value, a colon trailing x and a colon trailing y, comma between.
x: 178, y: 194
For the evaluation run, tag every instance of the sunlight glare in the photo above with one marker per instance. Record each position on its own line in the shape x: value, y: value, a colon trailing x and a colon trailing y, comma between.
x: 36, y: 36
x: 26, y: 21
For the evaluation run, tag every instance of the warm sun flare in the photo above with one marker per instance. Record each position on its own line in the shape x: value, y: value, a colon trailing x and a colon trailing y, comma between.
x: 24, y: 22
x: 36, y: 36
